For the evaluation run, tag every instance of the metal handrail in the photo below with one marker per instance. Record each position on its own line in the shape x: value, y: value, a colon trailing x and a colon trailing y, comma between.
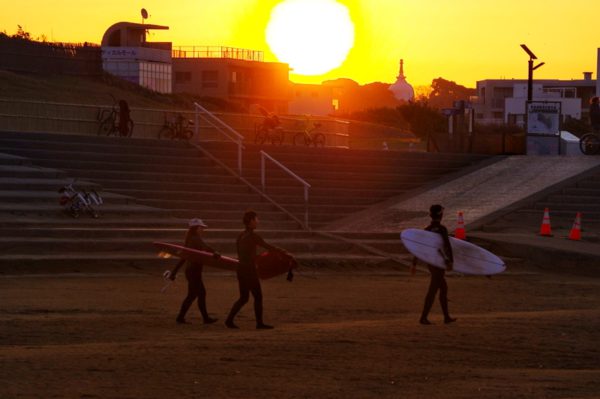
x: 221, y: 127
x: 263, y: 156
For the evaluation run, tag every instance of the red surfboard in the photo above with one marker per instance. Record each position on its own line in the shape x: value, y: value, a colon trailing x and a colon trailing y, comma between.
x: 271, y: 264
x: 206, y: 258
x: 268, y: 264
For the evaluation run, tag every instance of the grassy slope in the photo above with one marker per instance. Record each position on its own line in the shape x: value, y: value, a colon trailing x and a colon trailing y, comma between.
x: 96, y: 91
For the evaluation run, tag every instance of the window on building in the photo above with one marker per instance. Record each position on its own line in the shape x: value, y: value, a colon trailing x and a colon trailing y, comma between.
x: 183, y: 77
x: 336, y: 104
x: 233, y: 77
x: 210, y: 79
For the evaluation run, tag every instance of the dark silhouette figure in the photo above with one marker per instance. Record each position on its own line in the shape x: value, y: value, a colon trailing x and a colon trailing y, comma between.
x: 595, y: 114
x: 193, y: 273
x: 124, y: 117
x: 437, y: 282
x: 247, y: 243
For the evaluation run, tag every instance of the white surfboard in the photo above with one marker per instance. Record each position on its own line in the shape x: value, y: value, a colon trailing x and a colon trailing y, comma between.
x: 468, y: 258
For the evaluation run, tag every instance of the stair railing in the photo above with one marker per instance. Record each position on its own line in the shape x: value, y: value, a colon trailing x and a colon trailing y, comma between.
x: 263, y: 158
x: 221, y: 127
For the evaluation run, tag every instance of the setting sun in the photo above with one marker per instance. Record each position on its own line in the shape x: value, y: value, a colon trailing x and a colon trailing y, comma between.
x: 313, y: 36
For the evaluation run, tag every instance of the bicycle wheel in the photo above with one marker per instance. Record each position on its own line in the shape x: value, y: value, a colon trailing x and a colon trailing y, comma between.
x: 166, y: 133
x: 105, y: 127
x: 187, y: 134
x: 319, y: 140
x: 589, y: 144
x: 260, y: 137
x: 300, y: 139
x: 277, y: 137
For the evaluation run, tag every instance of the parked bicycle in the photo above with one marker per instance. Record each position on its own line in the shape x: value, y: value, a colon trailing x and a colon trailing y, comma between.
x: 109, y: 119
x: 75, y: 201
x: 589, y: 143
x: 307, y: 137
x: 176, y: 127
x: 269, y: 130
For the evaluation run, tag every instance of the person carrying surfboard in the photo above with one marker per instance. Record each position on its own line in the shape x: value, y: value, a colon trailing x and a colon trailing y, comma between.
x: 193, y: 272
x: 438, y: 281
x: 247, y: 243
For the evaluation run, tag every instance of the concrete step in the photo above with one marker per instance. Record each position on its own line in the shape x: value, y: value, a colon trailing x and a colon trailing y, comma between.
x: 103, y: 154
x: 110, y: 163
x: 114, y: 146
x: 151, y: 233
x: 40, y: 184
x: 8, y: 159
x: 587, y: 207
x: 573, y: 199
x: 102, y: 176
x: 20, y: 171
x: 51, y: 197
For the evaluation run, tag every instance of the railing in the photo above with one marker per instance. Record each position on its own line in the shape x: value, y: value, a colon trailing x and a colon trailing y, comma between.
x: 221, y: 127
x: 217, y: 52
x: 263, y: 157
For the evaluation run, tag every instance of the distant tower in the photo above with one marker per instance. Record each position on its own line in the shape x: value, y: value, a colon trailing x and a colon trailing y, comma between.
x: 402, y: 89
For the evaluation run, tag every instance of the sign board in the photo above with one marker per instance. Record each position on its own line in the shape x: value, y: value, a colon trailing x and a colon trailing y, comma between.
x: 543, y: 118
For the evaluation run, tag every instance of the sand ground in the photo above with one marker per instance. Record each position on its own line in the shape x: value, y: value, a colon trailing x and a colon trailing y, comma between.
x: 524, y: 334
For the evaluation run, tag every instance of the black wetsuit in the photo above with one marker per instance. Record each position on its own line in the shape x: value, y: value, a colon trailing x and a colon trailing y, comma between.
x: 193, y: 274
x: 438, y: 282
x: 247, y: 243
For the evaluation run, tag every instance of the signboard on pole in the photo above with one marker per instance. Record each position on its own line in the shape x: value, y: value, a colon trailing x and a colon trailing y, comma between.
x: 543, y: 127
x: 543, y: 117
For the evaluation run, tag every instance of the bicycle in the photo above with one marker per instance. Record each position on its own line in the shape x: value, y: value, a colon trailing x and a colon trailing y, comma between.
x: 307, y: 137
x: 107, y: 121
x: 589, y: 143
x: 265, y: 132
x: 176, y: 127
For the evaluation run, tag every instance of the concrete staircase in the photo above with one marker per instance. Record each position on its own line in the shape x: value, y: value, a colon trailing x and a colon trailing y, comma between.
x: 151, y: 188
x: 575, y: 195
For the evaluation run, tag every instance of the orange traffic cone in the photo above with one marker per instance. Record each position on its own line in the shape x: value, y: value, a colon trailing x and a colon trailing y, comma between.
x: 460, y: 232
x: 575, y: 233
x: 546, y: 230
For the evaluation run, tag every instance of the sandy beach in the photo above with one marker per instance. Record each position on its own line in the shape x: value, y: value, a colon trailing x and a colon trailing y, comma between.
x: 523, y: 334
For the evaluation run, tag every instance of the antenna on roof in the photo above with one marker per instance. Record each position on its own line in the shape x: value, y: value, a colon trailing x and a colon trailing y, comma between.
x: 144, y: 15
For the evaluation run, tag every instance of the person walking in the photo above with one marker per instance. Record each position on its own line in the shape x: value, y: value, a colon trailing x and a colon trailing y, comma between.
x: 437, y: 281
x: 193, y: 272
x: 247, y: 243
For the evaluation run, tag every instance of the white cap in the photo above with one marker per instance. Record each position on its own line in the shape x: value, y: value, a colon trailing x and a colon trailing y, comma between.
x: 196, y: 222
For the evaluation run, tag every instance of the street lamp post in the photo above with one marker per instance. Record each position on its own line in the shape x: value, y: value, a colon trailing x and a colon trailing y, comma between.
x: 530, y: 70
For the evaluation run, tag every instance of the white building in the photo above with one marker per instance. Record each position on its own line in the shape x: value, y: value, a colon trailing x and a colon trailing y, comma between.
x: 127, y: 54
x: 503, y: 100
x: 402, y: 90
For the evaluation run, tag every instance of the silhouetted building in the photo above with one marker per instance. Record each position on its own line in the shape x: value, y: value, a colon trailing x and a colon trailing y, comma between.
x: 232, y: 74
x: 402, y: 90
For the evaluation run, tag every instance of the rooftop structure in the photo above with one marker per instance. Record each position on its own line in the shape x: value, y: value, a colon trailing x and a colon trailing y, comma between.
x: 402, y: 90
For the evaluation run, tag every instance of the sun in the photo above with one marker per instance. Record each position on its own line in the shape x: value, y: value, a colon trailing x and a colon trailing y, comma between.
x: 312, y: 36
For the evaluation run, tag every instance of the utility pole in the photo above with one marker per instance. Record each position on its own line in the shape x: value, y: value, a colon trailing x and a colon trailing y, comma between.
x: 530, y: 70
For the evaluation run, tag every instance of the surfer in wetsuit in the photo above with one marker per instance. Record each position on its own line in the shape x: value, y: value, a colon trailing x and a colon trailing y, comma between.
x: 247, y: 243
x: 193, y: 272
x: 437, y: 282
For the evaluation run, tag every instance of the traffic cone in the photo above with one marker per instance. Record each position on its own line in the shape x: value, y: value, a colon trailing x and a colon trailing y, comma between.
x: 546, y: 230
x: 460, y: 228
x: 575, y: 233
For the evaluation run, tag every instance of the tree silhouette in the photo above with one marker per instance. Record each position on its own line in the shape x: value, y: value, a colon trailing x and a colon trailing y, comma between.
x: 445, y: 92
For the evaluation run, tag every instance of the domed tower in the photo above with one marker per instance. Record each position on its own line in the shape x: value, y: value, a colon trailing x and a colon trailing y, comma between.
x: 402, y: 90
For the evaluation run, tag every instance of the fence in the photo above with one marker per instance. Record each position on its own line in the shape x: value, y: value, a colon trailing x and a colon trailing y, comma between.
x: 54, y: 117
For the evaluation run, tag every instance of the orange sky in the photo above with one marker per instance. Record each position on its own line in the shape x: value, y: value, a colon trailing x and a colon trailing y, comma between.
x: 462, y: 40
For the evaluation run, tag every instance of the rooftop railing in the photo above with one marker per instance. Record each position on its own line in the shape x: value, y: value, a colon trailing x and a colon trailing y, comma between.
x: 217, y: 52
